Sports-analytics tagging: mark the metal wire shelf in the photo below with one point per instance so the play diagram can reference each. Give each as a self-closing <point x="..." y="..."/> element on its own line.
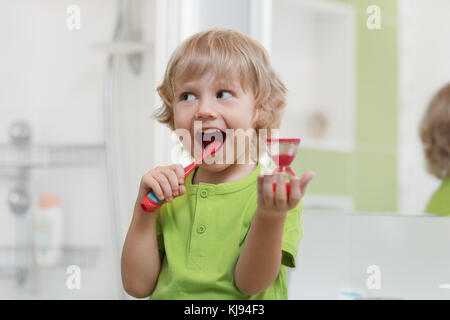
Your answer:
<point x="13" y="259"/>
<point x="50" y="156"/>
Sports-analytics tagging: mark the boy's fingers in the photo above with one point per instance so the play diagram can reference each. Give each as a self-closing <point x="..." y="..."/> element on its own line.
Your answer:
<point x="304" y="180"/>
<point x="164" y="184"/>
<point x="280" y="192"/>
<point x="260" y="183"/>
<point x="152" y="184"/>
<point x="295" y="193"/>
<point x="259" y="187"/>
<point x="182" y="189"/>
<point x="173" y="180"/>
<point x="179" y="172"/>
<point x="267" y="189"/>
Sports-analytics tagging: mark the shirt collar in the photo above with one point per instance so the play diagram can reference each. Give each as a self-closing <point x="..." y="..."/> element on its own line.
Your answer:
<point x="223" y="188"/>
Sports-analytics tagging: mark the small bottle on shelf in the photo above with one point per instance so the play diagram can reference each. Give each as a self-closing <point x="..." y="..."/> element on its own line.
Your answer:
<point x="48" y="230"/>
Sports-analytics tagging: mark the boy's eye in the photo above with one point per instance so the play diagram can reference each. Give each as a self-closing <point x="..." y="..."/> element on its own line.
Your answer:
<point x="224" y="95"/>
<point x="187" y="96"/>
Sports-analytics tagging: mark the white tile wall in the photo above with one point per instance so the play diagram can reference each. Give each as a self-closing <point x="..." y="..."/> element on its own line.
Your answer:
<point x="50" y="75"/>
<point x="53" y="78"/>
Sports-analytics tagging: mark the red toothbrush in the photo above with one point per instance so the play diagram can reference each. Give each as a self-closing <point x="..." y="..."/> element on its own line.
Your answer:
<point x="151" y="202"/>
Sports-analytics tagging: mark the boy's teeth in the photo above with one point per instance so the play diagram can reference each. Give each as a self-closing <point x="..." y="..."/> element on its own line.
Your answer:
<point x="211" y="131"/>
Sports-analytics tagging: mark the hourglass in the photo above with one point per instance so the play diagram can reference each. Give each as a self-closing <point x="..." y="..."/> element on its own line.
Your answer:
<point x="283" y="152"/>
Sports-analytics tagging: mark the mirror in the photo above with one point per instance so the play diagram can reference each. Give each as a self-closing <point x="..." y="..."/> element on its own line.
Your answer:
<point x="360" y="77"/>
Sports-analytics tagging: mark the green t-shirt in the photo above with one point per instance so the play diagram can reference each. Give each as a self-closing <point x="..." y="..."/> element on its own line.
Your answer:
<point x="440" y="201"/>
<point x="202" y="233"/>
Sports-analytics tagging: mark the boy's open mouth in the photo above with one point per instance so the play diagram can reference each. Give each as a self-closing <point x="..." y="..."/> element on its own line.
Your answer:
<point x="210" y="135"/>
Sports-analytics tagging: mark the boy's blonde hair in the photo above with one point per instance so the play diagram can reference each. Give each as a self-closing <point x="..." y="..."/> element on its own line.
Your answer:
<point x="435" y="134"/>
<point x="231" y="55"/>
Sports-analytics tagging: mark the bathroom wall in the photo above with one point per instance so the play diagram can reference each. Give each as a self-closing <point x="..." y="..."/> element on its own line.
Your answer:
<point x="53" y="78"/>
<point x="371" y="168"/>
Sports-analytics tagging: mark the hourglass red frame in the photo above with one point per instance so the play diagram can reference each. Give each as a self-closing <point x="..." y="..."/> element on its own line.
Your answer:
<point x="283" y="152"/>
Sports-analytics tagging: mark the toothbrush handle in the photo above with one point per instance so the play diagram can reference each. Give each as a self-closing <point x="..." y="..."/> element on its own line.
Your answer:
<point x="151" y="202"/>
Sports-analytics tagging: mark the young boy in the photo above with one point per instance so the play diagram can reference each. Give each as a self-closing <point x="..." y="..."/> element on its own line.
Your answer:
<point x="435" y="134"/>
<point x="223" y="233"/>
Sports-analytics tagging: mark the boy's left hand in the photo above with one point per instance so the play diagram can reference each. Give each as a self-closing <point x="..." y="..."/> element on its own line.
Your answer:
<point x="276" y="203"/>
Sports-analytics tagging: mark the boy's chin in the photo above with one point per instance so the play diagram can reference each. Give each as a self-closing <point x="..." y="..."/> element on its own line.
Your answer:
<point x="214" y="167"/>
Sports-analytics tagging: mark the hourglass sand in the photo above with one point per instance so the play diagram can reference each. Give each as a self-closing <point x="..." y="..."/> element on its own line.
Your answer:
<point x="283" y="152"/>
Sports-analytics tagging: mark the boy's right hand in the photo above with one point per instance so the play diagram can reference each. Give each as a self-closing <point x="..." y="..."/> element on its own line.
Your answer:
<point x="165" y="181"/>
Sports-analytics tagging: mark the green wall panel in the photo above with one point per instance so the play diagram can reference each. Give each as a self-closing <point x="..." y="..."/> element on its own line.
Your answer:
<point x="369" y="173"/>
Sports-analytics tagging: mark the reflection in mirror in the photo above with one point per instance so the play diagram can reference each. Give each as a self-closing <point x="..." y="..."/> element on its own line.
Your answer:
<point x="423" y="69"/>
<point x="435" y="134"/>
<point x="359" y="83"/>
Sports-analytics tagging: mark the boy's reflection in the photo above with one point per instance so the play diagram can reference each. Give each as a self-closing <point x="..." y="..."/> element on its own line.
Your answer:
<point x="435" y="135"/>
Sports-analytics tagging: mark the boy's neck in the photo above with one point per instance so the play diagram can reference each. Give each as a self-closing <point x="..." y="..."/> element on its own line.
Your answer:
<point x="231" y="173"/>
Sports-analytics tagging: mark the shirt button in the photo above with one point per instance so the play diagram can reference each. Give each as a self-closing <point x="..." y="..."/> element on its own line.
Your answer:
<point x="204" y="193"/>
<point x="201" y="229"/>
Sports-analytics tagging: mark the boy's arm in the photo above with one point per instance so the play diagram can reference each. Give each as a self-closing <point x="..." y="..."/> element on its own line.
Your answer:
<point x="260" y="259"/>
<point x="141" y="261"/>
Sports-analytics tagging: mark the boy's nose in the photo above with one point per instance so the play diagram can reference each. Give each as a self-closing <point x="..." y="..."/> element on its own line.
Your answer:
<point x="205" y="110"/>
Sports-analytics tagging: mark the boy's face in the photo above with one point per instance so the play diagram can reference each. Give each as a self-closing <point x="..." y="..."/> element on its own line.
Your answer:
<point x="216" y="104"/>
